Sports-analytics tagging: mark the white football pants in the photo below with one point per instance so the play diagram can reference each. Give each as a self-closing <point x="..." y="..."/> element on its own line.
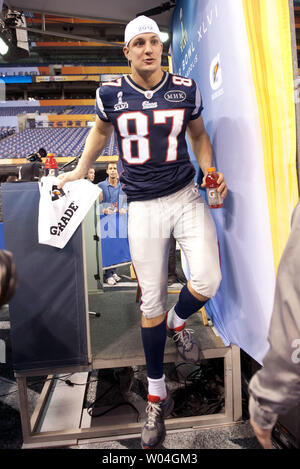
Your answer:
<point x="150" y="224"/>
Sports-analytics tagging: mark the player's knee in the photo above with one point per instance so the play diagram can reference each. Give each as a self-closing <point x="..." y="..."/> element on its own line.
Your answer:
<point x="152" y="316"/>
<point x="152" y="321"/>
<point x="207" y="284"/>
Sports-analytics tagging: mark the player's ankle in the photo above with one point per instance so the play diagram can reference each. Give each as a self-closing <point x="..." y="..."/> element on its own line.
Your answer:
<point x="174" y="321"/>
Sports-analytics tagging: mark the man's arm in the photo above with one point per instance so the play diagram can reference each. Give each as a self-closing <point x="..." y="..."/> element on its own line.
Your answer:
<point x="202" y="149"/>
<point x="275" y="389"/>
<point x="100" y="196"/>
<point x="94" y="144"/>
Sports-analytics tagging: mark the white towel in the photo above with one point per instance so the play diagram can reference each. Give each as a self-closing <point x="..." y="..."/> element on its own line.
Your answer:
<point x="62" y="210"/>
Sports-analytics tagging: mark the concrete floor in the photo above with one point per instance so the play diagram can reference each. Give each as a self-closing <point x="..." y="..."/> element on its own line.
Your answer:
<point x="237" y="436"/>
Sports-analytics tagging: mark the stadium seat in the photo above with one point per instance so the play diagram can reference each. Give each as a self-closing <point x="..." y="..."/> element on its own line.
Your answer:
<point x="66" y="142"/>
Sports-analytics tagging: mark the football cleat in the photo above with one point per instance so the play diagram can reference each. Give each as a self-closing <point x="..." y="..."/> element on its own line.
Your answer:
<point x="110" y="281"/>
<point x="187" y="348"/>
<point x="116" y="277"/>
<point x="154" y="430"/>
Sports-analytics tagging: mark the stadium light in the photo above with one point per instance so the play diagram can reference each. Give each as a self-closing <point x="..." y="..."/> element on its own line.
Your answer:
<point x="13" y="40"/>
<point x="5" y="38"/>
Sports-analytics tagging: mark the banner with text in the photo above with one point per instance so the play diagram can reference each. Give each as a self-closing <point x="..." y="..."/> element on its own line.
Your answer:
<point x="239" y="53"/>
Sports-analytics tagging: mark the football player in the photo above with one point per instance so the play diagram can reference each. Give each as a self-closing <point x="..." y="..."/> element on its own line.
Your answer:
<point x="151" y="111"/>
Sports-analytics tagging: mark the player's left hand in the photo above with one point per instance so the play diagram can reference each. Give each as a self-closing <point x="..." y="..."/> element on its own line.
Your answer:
<point x="222" y="189"/>
<point x="263" y="436"/>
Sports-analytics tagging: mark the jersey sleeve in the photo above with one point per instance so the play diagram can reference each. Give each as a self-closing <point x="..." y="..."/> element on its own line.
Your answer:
<point x="100" y="106"/>
<point x="198" y="104"/>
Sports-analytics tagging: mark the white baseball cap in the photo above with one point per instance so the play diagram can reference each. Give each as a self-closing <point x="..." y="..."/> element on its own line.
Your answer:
<point x="140" y="25"/>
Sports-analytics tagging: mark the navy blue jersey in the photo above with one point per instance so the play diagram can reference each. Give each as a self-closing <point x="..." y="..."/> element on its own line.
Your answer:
<point x="150" y="127"/>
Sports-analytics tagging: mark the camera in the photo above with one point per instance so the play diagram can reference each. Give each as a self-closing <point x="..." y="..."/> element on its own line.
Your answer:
<point x="33" y="170"/>
<point x="33" y="157"/>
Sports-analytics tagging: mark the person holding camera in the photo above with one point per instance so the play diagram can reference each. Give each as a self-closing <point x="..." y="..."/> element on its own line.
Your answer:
<point x="33" y="170"/>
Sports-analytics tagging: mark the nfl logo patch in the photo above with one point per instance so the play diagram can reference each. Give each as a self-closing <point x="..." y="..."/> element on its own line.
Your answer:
<point x="148" y="94"/>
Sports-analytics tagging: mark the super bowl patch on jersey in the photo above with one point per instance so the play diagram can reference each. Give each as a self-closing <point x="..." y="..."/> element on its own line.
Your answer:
<point x="120" y="105"/>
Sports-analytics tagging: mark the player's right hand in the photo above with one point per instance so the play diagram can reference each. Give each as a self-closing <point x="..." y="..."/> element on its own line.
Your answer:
<point x="109" y="210"/>
<point x="68" y="177"/>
